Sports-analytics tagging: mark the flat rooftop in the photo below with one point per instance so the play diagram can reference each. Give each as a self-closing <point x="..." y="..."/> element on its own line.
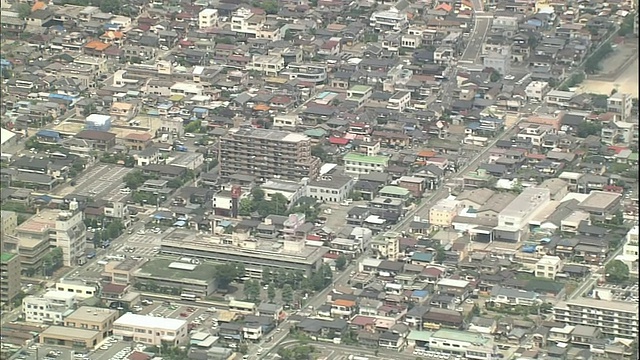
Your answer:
<point x="529" y="200"/>
<point x="605" y="304"/>
<point x="600" y="199"/>
<point x="64" y="332"/>
<point x="463" y="336"/>
<point x="91" y="314"/>
<point x="272" y="135"/>
<point x="45" y="219"/>
<point x="160" y="268"/>
<point x="149" y="322"/>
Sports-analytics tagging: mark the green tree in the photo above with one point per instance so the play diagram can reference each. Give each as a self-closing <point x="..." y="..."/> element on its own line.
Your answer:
<point x="257" y="194"/>
<point x="110" y="6"/>
<point x="587" y="128"/>
<point x="616" y="272"/>
<point x="193" y="127"/>
<point x="319" y="152"/>
<point x="440" y="254"/>
<point x="266" y="276"/>
<point x="252" y="290"/>
<point x="287" y="294"/>
<point x="245" y="207"/>
<point x="495" y="76"/>
<point x="270" y="6"/>
<point x="271" y="293"/>
<point x="226" y="273"/>
<point x="23" y="10"/>
<point x="134" y="179"/>
<point x="341" y="262"/>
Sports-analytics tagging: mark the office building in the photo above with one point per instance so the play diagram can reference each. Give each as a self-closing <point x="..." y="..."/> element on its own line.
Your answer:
<point x="267" y="154"/>
<point x="613" y="318"/>
<point x="151" y="330"/>
<point x="49" y="308"/>
<point x="93" y="318"/>
<point x="513" y="220"/>
<point x="10" y="269"/>
<point x="620" y="104"/>
<point x="63" y="229"/>
<point x="9" y="223"/>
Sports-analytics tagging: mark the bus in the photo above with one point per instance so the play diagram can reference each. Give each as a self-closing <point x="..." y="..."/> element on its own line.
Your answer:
<point x="188" y="297"/>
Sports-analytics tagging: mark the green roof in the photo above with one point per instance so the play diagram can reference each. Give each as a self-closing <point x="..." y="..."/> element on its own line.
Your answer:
<point x="458" y="335"/>
<point x="381" y="160"/>
<point x="394" y="190"/>
<point x="633" y="157"/>
<point x="160" y="268"/>
<point x="360" y="88"/>
<point x="316" y="133"/>
<point x="420" y="335"/>
<point x="7" y="256"/>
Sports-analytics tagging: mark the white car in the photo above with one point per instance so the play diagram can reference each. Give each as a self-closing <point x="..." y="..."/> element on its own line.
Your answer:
<point x="189" y="135"/>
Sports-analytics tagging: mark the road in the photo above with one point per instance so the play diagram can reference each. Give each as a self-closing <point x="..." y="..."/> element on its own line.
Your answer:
<point x="588" y="284"/>
<point x="353" y="350"/>
<point x="481" y="26"/>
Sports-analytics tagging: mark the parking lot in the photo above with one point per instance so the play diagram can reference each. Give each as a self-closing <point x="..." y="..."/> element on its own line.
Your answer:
<point x="101" y="182"/>
<point x="627" y="293"/>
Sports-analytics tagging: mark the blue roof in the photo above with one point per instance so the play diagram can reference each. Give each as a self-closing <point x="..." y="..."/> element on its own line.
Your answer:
<point x="473" y="126"/>
<point x="200" y="110"/>
<point x="420" y="293"/>
<point x="180" y="223"/>
<point x="420" y="256"/>
<point x="48" y="133"/>
<point x="162" y="216"/>
<point x="43" y="198"/>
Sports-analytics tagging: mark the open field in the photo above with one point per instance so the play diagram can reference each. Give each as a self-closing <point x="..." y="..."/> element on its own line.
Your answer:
<point x="619" y="71"/>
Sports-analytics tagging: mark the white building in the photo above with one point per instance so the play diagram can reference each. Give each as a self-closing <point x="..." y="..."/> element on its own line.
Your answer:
<point x="399" y="101"/>
<point x="613" y="318"/>
<point x="151" y="330"/>
<point x="463" y="343"/>
<point x="331" y="188"/>
<point x="207" y="18"/>
<point x="536" y="90"/>
<point x="391" y="19"/>
<point x="291" y="190"/>
<point x="620" y="104"/>
<point x="270" y="65"/>
<point x="356" y="164"/>
<point x="49" y="308"/>
<point x="630" y="251"/>
<point x="187" y="89"/>
<point x="559" y="98"/>
<point x="81" y="289"/>
<point x="548" y="266"/>
<point x="245" y="21"/>
<point x="513" y="220"/>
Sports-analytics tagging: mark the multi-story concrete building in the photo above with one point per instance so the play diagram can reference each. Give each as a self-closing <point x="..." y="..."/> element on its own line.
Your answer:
<point x="151" y="330"/>
<point x="93" y="318"/>
<point x="513" y="220"/>
<point x="10" y="277"/>
<point x="48" y="308"/>
<point x="443" y="212"/>
<point x="548" y="266"/>
<point x="63" y="229"/>
<point x="207" y="18"/>
<point x="356" y="164"/>
<point x="613" y="318"/>
<point x="630" y="251"/>
<point x="463" y="343"/>
<point x="82" y="290"/>
<point x="9" y="223"/>
<point x="267" y="154"/>
<point x="332" y="188"/>
<point x="621" y="105"/>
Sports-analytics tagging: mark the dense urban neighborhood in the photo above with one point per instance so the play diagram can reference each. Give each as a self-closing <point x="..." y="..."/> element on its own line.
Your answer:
<point x="319" y="180"/>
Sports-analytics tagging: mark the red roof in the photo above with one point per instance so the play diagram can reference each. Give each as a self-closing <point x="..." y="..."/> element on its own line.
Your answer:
<point x="536" y="156"/>
<point x="330" y="256"/>
<point x="314" y="237"/>
<point x="338" y="141"/>
<point x="617" y="149"/>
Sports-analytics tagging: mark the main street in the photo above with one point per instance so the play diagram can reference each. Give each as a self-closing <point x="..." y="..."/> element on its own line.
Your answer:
<point x="481" y="26"/>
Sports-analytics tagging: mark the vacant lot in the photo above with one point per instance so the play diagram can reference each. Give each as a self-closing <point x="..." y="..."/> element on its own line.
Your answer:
<point x="626" y="82"/>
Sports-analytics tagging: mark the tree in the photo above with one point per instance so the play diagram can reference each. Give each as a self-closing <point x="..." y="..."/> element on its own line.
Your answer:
<point x="114" y="229"/>
<point x="110" y="6"/>
<point x="23" y="10"/>
<point x="618" y="218"/>
<point x="193" y="127"/>
<point x="271" y="293"/>
<point x="257" y="195"/>
<point x="134" y="179"/>
<point x="245" y="207"/>
<point x="226" y="273"/>
<point x="341" y="262"/>
<point x="616" y="272"/>
<point x="270" y="6"/>
<point x="495" y="76"/>
<point x="252" y="290"/>
<point x="287" y="294"/>
<point x="440" y="254"/>
<point x="319" y="152"/>
<point x="266" y="276"/>
<point x="587" y="128"/>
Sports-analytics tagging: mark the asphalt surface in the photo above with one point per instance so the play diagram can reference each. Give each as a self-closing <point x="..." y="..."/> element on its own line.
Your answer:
<point x="482" y="24"/>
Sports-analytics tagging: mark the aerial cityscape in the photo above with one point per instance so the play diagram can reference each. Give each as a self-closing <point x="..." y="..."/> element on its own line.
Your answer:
<point x="319" y="180"/>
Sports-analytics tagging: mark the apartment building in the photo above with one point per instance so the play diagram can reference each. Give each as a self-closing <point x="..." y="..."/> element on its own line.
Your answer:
<point x="270" y="65"/>
<point x="82" y="290"/>
<point x="613" y="318"/>
<point x="621" y="105"/>
<point x="389" y="20"/>
<point x="332" y="188"/>
<point x="267" y="154"/>
<point x="10" y="277"/>
<point x="48" y="308"/>
<point x="207" y="18"/>
<point x="150" y="330"/>
<point x="514" y="219"/>
<point x="548" y="266"/>
<point x="443" y="212"/>
<point x="9" y="222"/>
<point x="356" y="164"/>
<point x="63" y="229"/>
<point x="630" y="251"/>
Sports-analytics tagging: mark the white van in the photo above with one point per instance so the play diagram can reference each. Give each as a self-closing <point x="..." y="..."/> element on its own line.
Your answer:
<point x="125" y="191"/>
